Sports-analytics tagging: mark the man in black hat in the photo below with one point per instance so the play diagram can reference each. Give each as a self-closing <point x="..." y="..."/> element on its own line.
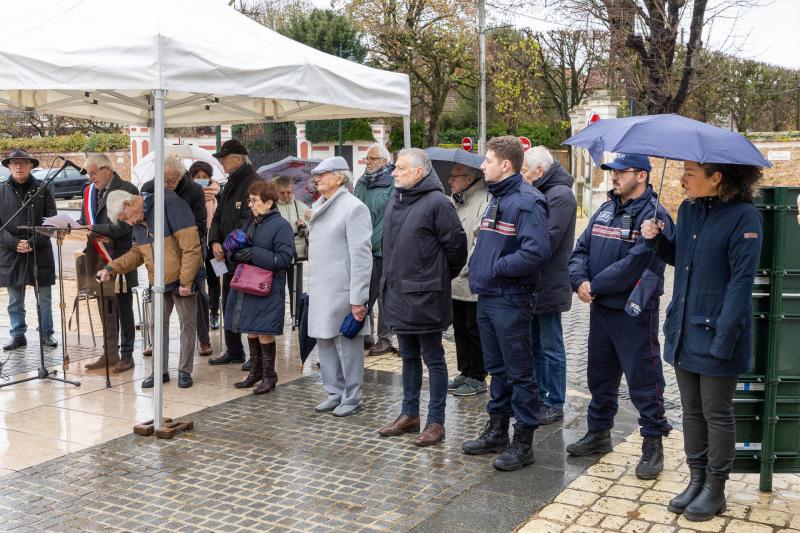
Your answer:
<point x="232" y="212"/>
<point x="17" y="247"/>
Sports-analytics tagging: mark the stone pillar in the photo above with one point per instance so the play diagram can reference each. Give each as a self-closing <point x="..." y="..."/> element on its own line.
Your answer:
<point x="303" y="145"/>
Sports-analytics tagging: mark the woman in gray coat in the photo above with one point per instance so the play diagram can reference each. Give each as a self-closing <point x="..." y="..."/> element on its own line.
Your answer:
<point x="340" y="266"/>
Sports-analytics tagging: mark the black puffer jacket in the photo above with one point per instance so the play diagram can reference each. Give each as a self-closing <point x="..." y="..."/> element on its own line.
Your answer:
<point x="554" y="292"/>
<point x="17" y="269"/>
<point x="424" y="247"/>
<point x="232" y="210"/>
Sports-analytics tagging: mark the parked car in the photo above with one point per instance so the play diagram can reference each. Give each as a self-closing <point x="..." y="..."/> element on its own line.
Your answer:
<point x="68" y="184"/>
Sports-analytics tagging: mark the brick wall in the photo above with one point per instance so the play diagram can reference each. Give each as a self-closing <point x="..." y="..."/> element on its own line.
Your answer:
<point x="121" y="160"/>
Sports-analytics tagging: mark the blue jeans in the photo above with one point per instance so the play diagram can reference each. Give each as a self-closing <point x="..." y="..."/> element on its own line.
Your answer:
<point x="16" y="310"/>
<point x="505" y="325"/>
<point x="414" y="349"/>
<point x="550" y="359"/>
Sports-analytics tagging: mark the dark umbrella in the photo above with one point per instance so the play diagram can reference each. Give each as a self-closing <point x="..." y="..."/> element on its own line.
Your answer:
<point x="306" y="343"/>
<point x="602" y="135"/>
<point x="299" y="170"/>
<point x="444" y="158"/>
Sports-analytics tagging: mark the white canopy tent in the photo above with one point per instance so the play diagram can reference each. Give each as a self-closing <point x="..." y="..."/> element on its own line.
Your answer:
<point x="170" y="63"/>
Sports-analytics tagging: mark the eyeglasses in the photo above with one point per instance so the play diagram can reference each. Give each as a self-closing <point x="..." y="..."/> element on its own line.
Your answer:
<point x="251" y="201"/>
<point x="623" y="172"/>
<point x="96" y="172"/>
<point x="374" y="158"/>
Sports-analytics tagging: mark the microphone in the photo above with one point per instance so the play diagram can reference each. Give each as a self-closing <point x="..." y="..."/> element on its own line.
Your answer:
<point x="69" y="163"/>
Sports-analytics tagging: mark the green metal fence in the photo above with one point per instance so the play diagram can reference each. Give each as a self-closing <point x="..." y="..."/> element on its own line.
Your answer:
<point x="767" y="401"/>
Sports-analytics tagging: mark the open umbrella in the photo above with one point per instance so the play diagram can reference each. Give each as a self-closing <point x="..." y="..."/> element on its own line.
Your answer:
<point x="145" y="170"/>
<point x="684" y="139"/>
<point x="444" y="158"/>
<point x="601" y="136"/>
<point x="299" y="170"/>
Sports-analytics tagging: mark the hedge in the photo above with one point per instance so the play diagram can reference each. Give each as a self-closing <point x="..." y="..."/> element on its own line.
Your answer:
<point x="356" y="129"/>
<point x="77" y="142"/>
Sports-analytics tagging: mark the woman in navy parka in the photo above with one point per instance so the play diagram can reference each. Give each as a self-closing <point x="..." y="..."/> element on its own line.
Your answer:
<point x="709" y="327"/>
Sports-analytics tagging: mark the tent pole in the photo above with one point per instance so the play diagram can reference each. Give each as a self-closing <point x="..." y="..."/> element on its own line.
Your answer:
<point x="406" y="132"/>
<point x="158" y="254"/>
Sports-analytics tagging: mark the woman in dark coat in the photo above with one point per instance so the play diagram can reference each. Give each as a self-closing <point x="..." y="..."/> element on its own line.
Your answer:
<point x="709" y="327"/>
<point x="261" y="317"/>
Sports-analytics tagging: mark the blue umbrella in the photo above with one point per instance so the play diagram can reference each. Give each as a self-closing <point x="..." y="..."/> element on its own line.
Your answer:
<point x="684" y="139"/>
<point x="444" y="158"/>
<point x="602" y="135"/>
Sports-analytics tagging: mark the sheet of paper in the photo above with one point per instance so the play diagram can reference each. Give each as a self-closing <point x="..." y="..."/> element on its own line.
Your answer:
<point x="219" y="267"/>
<point x="61" y="221"/>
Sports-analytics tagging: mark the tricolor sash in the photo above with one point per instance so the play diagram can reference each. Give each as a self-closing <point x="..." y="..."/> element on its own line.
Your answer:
<point x="89" y="197"/>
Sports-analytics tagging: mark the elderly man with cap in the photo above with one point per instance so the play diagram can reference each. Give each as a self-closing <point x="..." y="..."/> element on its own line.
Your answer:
<point x="232" y="213"/>
<point x="17" y="247"/>
<point x="339" y="269"/>
<point x="607" y="263"/>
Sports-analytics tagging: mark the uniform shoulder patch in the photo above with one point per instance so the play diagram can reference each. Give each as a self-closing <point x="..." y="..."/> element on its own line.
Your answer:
<point x="750" y="235"/>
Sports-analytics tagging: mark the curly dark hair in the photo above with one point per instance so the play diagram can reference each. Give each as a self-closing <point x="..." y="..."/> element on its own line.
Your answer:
<point x="738" y="181"/>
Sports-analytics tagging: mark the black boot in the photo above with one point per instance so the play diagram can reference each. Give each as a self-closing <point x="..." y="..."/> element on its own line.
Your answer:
<point x="519" y="453"/>
<point x="256" y="365"/>
<point x="697" y="477"/>
<point x="709" y="503"/>
<point x="493" y="438"/>
<point x="591" y="443"/>
<point x="652" y="461"/>
<point x="268" y="374"/>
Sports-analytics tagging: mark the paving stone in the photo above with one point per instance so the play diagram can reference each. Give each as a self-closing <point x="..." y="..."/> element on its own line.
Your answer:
<point x="767" y="516"/>
<point x="577" y="497"/>
<point x="606" y="471"/>
<point x="654" y="496"/>
<point x="538" y="525"/>
<point x="624" y="491"/>
<point x="614" y="523"/>
<point x="655" y="513"/>
<point x="715" y="524"/>
<point x="590" y="518"/>
<point x="740" y="526"/>
<point x="660" y="528"/>
<point x="590" y="483"/>
<point x="559" y="512"/>
<point x="615" y="506"/>
<point x="635" y="526"/>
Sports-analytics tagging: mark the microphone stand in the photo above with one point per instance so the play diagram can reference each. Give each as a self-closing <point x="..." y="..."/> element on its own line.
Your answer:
<point x="28" y="204"/>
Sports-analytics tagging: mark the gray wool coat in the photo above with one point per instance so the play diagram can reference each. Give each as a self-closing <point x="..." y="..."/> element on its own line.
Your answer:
<point x="339" y="262"/>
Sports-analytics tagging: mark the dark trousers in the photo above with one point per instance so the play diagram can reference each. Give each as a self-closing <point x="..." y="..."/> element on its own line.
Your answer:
<point x="127" y="327"/>
<point x="469" y="354"/>
<point x="233" y="340"/>
<point x="203" y="303"/>
<point x="213" y="287"/>
<point x="505" y="329"/>
<point x="414" y="349"/>
<point x="620" y="344"/>
<point x="709" y="427"/>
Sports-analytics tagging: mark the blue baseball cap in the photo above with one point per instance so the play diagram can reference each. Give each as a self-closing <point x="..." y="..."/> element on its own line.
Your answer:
<point x="623" y="161"/>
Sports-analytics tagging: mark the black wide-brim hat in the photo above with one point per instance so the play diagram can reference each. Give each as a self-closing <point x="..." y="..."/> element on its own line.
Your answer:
<point x="20" y="153"/>
<point x="229" y="147"/>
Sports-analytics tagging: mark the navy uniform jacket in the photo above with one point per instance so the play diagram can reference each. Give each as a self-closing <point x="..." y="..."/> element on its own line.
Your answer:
<point x="611" y="254"/>
<point x="509" y="257"/>
<point x="709" y="325"/>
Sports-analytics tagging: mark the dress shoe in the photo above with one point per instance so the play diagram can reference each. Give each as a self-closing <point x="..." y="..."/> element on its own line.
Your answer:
<point x="403" y="424"/>
<point x="347" y="410"/>
<point x="213" y="322"/>
<point x="432" y="434"/>
<point x="493" y="438"/>
<point x="16" y="342"/>
<point x="247" y="365"/>
<point x="519" y="453"/>
<point x="125" y="364"/>
<point x="205" y="349"/>
<point x="100" y="362"/>
<point x="148" y="352"/>
<point x="591" y="443"/>
<point x="709" y="503"/>
<point x="651" y="462"/>
<point x="226" y="359"/>
<point x="49" y="341"/>
<point x="382" y="347"/>
<point x="697" y="478"/>
<point x="328" y="405"/>
<point x="147" y="383"/>
<point x="185" y="380"/>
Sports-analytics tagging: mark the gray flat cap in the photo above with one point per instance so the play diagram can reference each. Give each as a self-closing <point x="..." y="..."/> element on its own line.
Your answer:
<point x="331" y="164"/>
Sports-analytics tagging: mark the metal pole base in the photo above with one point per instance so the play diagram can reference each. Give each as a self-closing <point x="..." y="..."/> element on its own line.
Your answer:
<point x="43" y="373"/>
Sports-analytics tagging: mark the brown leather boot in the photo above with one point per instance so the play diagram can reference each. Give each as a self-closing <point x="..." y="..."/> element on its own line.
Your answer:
<point x="100" y="362"/>
<point x="270" y="377"/>
<point x="403" y="424"/>
<point x="432" y="434"/>
<point x="256" y="368"/>
<point x="125" y="364"/>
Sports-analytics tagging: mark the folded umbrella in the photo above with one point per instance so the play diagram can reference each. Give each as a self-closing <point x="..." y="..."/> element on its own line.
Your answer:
<point x="443" y="160"/>
<point x="305" y="342"/>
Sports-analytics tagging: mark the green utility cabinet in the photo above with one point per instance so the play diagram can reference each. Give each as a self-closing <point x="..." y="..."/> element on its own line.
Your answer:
<point x="767" y="401"/>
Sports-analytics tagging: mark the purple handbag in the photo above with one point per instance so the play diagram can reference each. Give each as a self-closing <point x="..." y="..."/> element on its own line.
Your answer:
<point x="250" y="279"/>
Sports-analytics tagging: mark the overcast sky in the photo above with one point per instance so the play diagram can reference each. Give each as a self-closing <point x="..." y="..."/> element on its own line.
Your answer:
<point x="769" y="33"/>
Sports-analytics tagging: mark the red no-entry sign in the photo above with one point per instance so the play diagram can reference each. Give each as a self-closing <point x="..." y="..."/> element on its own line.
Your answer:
<point x="467" y="144"/>
<point x="526" y="143"/>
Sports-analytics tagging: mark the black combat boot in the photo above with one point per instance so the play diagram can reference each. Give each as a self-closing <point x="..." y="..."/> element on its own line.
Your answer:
<point x="519" y="453"/>
<point x="493" y="438"/>
<point x="591" y="443"/>
<point x="709" y="503"/>
<point x="697" y="477"/>
<point x="652" y="461"/>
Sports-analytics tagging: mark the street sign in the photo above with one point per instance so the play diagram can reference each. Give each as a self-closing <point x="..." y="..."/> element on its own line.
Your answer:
<point x="591" y="118"/>
<point x="467" y="144"/>
<point x="526" y="143"/>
